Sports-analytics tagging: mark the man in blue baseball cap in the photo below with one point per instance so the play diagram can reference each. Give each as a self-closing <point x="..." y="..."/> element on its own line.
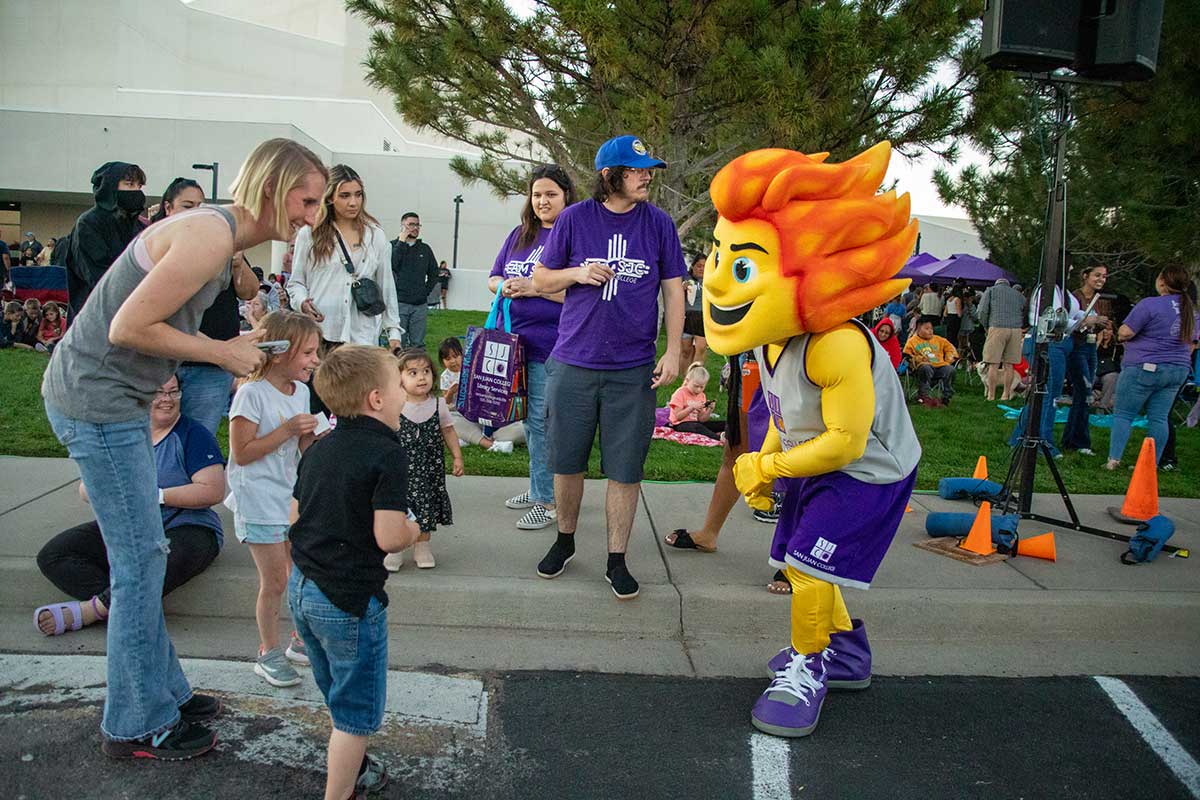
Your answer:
<point x="611" y="255"/>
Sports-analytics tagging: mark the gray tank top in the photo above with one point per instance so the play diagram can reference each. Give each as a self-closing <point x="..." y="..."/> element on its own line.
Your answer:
<point x="91" y="379"/>
<point x="794" y="401"/>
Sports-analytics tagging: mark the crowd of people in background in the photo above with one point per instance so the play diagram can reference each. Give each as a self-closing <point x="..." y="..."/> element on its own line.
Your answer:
<point x="1096" y="367"/>
<point x="167" y="316"/>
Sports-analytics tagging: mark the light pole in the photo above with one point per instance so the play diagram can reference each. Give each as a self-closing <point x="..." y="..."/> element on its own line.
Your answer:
<point x="457" y="206"/>
<point x="213" y="166"/>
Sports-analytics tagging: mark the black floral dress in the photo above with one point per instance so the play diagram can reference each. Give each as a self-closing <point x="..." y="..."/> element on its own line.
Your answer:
<point x="427" y="495"/>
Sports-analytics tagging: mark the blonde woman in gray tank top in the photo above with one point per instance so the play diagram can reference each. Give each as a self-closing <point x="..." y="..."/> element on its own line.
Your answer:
<point x="140" y="321"/>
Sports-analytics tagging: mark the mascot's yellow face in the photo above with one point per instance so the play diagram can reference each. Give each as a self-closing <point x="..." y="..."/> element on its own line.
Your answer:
<point x="741" y="284"/>
<point x="800" y="246"/>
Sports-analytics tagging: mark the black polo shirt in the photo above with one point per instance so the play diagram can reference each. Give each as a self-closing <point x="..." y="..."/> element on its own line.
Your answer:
<point x="342" y="480"/>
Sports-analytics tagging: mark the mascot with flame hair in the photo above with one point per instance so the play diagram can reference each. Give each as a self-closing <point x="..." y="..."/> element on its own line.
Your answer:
<point x="800" y="249"/>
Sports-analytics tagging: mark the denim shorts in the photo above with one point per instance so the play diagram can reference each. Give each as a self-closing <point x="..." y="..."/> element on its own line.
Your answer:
<point x="256" y="533"/>
<point x="348" y="655"/>
<point x="619" y="402"/>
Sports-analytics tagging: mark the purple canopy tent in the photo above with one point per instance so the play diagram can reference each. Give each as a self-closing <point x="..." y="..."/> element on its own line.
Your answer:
<point x="914" y="268"/>
<point x="974" y="271"/>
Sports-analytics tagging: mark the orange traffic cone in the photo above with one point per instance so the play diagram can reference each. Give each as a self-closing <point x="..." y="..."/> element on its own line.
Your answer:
<point x="980" y="469"/>
<point x="1141" y="498"/>
<point x="979" y="540"/>
<point x="1038" y="547"/>
<point x="907" y="508"/>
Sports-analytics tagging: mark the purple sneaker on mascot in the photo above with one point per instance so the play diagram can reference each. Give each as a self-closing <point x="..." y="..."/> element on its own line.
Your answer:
<point x="847" y="659"/>
<point x="791" y="705"/>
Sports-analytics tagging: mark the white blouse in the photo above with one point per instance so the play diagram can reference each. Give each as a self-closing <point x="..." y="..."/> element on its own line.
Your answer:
<point x="327" y="285"/>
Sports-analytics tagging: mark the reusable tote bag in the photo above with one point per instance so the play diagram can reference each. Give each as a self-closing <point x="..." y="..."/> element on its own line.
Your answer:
<point x="492" y="389"/>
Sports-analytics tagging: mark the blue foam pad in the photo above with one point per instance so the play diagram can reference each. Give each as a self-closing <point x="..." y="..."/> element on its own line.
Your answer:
<point x="973" y="488"/>
<point x="1004" y="526"/>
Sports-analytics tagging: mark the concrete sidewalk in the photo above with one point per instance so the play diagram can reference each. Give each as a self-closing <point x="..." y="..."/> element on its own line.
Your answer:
<point x="483" y="607"/>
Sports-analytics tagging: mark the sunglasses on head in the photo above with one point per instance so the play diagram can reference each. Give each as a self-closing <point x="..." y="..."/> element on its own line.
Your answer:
<point x="549" y="171"/>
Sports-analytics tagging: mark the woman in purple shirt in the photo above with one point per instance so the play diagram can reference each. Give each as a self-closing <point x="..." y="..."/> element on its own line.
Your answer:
<point x="535" y="319"/>
<point x="1159" y="336"/>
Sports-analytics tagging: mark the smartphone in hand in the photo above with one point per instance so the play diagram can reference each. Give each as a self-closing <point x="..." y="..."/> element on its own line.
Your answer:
<point x="274" y="348"/>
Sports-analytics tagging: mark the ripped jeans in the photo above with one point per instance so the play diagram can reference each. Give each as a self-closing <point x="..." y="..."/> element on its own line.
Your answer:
<point x="146" y="685"/>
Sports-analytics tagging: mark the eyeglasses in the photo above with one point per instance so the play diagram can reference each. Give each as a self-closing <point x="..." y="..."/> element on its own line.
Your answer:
<point x="174" y="394"/>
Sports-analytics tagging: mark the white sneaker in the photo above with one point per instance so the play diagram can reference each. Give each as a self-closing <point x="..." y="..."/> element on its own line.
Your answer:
<point x="501" y="447"/>
<point x="520" y="502"/>
<point x="392" y="562"/>
<point x="537" y="518"/>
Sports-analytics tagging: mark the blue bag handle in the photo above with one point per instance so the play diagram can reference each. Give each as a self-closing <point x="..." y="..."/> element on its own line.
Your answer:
<point x="501" y="306"/>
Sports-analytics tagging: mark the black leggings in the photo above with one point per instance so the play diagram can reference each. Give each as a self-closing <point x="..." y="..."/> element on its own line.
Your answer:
<point x="711" y="428"/>
<point x="76" y="560"/>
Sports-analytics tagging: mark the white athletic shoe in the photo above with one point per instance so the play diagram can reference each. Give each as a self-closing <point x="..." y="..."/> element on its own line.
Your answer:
<point x="501" y="447"/>
<point x="392" y="562"/>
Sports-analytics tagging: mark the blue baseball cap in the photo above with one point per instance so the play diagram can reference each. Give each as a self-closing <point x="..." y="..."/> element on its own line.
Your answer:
<point x="626" y="151"/>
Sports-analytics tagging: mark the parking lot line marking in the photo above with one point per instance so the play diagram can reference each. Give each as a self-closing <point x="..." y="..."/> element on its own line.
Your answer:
<point x="1178" y="760"/>
<point x="769" y="758"/>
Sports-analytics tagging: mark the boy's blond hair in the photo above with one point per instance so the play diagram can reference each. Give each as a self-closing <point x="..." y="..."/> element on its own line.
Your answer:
<point x="276" y="166"/>
<point x="350" y="373"/>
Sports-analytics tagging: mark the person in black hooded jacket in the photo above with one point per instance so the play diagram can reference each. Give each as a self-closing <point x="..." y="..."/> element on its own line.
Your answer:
<point x="102" y="232"/>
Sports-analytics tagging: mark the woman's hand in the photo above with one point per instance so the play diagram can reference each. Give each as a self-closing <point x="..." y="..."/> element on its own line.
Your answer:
<point x="457" y="469"/>
<point x="309" y="310"/>
<point x="518" y="287"/>
<point x="239" y="355"/>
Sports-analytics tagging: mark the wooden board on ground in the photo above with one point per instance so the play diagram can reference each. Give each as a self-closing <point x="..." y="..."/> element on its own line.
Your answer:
<point x="948" y="546"/>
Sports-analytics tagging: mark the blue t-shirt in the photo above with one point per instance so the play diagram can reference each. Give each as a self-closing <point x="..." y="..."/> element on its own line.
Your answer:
<point x="614" y="326"/>
<point x="534" y="319"/>
<point x="183" y="452"/>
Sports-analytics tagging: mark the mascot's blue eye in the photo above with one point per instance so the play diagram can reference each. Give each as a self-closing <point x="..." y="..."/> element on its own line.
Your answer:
<point x="744" y="269"/>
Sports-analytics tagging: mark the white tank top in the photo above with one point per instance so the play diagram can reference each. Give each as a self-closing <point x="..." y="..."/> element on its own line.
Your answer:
<point x="794" y="401"/>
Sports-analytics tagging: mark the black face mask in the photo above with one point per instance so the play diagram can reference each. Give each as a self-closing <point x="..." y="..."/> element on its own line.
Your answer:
<point x="132" y="201"/>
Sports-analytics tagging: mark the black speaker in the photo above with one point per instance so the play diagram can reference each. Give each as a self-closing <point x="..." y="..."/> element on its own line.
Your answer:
<point x="1118" y="39"/>
<point x="1030" y="35"/>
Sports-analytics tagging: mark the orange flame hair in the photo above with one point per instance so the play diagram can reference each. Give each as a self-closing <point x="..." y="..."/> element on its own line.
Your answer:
<point x="840" y="242"/>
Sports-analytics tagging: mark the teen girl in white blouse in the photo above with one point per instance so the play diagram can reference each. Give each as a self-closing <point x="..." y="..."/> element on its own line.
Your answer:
<point x="320" y="285"/>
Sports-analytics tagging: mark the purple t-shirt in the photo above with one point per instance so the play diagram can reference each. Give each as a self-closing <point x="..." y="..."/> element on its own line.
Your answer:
<point x="1155" y="320"/>
<point x="534" y="319"/>
<point x="613" y="326"/>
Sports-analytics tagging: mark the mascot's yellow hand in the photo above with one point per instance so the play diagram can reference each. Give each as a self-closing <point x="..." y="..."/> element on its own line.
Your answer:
<point x="751" y="482"/>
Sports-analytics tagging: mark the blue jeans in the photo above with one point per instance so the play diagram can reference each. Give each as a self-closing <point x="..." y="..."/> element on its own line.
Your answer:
<point x="348" y="655"/>
<point x="206" y="391"/>
<point x="1138" y="389"/>
<point x="541" y="480"/>
<point x="146" y="685"/>
<point x="1081" y="369"/>
<point x="1056" y="354"/>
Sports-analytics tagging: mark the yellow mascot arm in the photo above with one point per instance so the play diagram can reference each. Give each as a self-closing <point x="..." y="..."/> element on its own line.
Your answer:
<point x="749" y="480"/>
<point x="839" y="361"/>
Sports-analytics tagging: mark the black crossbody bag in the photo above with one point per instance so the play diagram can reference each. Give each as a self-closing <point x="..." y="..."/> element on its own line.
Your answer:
<point x="367" y="297"/>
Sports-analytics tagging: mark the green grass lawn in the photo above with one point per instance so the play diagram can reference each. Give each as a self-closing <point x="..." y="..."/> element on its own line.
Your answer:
<point x="952" y="438"/>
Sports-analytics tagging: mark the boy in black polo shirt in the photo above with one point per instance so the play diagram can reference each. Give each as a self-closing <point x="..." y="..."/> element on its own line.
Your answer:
<point x="349" y="510"/>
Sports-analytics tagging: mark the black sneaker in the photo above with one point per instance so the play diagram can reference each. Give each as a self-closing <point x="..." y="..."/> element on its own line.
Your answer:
<point x="945" y="401"/>
<point x="180" y="743"/>
<point x="769" y="517"/>
<point x="201" y="708"/>
<point x="624" y="586"/>
<point x="555" y="562"/>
